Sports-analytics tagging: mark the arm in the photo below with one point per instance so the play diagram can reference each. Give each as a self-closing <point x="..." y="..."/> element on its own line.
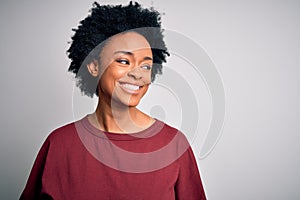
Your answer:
<point x="189" y="185"/>
<point x="33" y="186"/>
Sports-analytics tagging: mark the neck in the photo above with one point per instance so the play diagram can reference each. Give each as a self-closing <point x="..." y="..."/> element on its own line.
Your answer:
<point x="118" y="118"/>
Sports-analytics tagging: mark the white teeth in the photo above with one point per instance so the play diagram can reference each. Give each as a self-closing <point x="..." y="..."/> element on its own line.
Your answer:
<point x="130" y="87"/>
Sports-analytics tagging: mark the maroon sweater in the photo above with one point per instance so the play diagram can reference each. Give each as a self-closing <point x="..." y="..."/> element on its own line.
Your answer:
<point x="78" y="161"/>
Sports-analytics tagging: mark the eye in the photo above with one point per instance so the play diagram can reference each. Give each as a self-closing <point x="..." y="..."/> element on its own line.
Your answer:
<point x="123" y="61"/>
<point x="147" y="67"/>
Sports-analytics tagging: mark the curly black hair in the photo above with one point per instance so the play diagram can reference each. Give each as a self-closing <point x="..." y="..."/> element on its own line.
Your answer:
<point x="105" y="21"/>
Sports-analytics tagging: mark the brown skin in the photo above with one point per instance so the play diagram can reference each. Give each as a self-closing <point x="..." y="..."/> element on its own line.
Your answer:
<point x="125" y="59"/>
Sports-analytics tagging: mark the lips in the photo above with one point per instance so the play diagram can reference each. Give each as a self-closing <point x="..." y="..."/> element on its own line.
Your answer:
<point x="130" y="88"/>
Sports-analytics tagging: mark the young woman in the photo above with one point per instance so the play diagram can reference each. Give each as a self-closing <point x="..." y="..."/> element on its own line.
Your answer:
<point x="117" y="152"/>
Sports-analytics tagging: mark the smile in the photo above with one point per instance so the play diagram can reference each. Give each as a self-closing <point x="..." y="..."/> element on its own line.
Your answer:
<point x="130" y="88"/>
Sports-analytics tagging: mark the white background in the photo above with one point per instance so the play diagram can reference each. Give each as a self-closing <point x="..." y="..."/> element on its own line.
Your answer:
<point x="255" y="46"/>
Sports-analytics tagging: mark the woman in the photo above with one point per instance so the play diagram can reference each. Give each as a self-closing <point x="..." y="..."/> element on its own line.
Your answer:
<point x="117" y="152"/>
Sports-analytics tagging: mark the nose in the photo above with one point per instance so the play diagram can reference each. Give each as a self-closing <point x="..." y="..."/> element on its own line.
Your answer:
<point x="136" y="73"/>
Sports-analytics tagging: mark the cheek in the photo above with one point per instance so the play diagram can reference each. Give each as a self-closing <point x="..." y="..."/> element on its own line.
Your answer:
<point x="148" y="79"/>
<point x="116" y="73"/>
<point x="145" y="89"/>
<point x="109" y="79"/>
<point x="111" y="75"/>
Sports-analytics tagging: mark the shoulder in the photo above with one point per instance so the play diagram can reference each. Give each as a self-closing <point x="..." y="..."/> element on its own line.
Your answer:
<point x="174" y="132"/>
<point x="175" y="138"/>
<point x="185" y="152"/>
<point x="61" y="142"/>
<point x="62" y="134"/>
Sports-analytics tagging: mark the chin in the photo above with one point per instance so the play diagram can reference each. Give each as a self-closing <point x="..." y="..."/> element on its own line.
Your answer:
<point x="131" y="102"/>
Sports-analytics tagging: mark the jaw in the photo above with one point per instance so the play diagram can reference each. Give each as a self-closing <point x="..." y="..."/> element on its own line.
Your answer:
<point x="128" y="97"/>
<point x="122" y="94"/>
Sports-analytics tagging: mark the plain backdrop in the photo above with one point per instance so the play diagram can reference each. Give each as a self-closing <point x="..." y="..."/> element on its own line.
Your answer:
<point x="255" y="46"/>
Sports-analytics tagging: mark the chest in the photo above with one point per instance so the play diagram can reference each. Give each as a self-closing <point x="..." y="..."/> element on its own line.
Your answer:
<point x="81" y="176"/>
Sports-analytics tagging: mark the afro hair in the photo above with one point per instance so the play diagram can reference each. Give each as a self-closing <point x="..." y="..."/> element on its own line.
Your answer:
<point x="105" y="21"/>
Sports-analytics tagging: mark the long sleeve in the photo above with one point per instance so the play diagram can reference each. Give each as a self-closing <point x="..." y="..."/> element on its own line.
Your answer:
<point x="189" y="185"/>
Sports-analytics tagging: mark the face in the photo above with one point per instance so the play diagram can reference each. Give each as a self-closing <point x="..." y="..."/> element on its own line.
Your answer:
<point x="126" y="62"/>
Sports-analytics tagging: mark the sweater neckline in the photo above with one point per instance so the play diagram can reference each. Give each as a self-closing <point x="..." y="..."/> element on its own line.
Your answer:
<point x="146" y="133"/>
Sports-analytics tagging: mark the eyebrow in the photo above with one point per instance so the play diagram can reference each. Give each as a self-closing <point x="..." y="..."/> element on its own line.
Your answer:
<point x="131" y="54"/>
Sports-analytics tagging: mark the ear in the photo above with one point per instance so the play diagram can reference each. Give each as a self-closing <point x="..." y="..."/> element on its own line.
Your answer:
<point x="93" y="68"/>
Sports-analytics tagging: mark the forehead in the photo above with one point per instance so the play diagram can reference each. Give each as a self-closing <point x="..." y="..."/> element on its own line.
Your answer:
<point x="130" y="41"/>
